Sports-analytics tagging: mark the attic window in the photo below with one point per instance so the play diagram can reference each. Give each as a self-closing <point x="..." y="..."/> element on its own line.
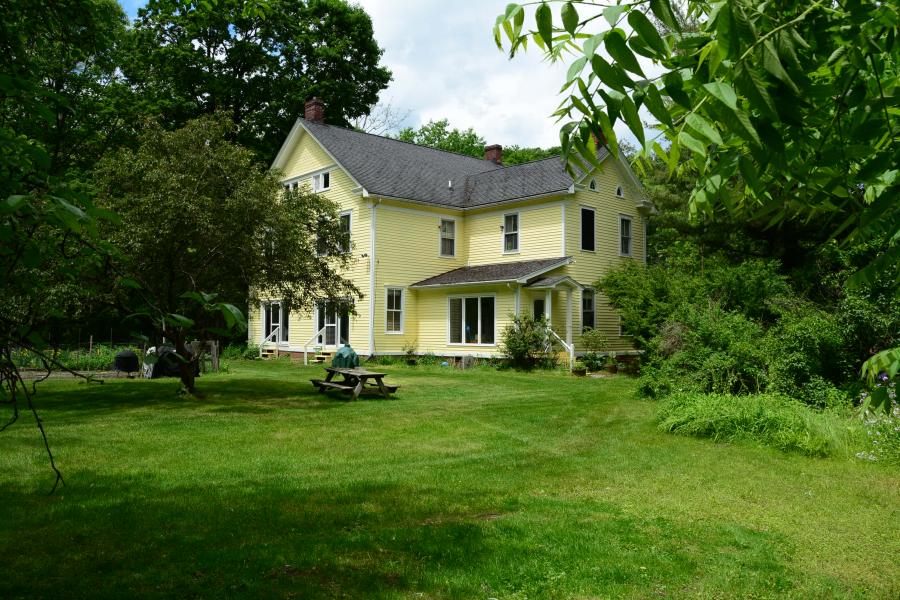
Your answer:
<point x="593" y="184"/>
<point x="321" y="181"/>
<point x="619" y="192"/>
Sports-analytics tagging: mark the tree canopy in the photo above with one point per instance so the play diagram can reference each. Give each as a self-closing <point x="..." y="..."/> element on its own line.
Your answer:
<point x="786" y="113"/>
<point x="214" y="226"/>
<point x="256" y="62"/>
<point x="438" y="134"/>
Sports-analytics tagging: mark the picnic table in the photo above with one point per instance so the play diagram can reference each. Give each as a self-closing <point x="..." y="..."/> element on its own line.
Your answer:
<point x="355" y="381"/>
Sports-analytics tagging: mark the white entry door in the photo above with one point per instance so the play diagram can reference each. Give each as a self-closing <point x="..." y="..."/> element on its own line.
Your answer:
<point x="333" y="320"/>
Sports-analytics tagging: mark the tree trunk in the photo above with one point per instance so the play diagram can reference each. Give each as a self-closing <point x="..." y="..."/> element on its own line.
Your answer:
<point x="186" y="365"/>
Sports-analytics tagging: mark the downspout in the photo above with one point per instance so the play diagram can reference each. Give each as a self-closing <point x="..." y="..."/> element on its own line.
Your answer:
<point x="372" y="280"/>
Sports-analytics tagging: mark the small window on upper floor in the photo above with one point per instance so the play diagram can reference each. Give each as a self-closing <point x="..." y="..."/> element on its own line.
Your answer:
<point x="448" y="237"/>
<point x="593" y="184"/>
<point x="620" y="192"/>
<point x="511" y="232"/>
<point x="321" y="181"/>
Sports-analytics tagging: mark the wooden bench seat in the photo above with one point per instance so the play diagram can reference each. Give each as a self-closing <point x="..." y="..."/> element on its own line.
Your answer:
<point x="322" y="384"/>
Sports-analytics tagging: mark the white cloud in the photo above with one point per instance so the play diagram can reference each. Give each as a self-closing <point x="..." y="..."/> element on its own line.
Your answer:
<point x="445" y="65"/>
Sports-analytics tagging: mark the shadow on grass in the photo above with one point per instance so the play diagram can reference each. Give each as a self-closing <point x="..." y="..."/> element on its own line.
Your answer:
<point x="108" y="538"/>
<point x="241" y="394"/>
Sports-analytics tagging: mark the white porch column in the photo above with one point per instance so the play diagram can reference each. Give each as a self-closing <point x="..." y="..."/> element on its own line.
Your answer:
<point x="548" y="309"/>
<point x="518" y="299"/>
<point x="569" y="317"/>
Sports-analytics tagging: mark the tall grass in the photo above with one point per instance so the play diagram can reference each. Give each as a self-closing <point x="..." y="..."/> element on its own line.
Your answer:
<point x="768" y="419"/>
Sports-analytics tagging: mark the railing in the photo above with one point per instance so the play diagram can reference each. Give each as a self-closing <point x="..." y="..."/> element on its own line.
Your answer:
<point x="570" y="348"/>
<point x="268" y="339"/>
<point x="308" y="342"/>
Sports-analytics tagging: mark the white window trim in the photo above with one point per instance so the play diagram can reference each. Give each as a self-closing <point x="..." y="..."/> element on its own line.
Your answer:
<point x="441" y="238"/>
<point x="503" y="233"/>
<point x="622" y="333"/>
<point x="463" y="319"/>
<point x="348" y="213"/>
<point x="387" y="291"/>
<point x="320" y="174"/>
<point x="620" y="191"/>
<point x="593" y="292"/>
<point x="630" y="219"/>
<point x="592" y="185"/>
<point x="582" y="207"/>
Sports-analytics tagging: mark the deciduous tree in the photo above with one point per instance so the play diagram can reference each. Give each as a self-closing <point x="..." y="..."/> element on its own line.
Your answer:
<point x="787" y="111"/>
<point x="205" y="226"/>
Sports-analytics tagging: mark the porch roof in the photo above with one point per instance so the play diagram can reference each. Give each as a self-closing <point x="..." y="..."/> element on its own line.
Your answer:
<point x="521" y="272"/>
<point x="549" y="283"/>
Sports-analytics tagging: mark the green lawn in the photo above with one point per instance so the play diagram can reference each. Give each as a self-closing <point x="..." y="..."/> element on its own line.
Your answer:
<point x="469" y="484"/>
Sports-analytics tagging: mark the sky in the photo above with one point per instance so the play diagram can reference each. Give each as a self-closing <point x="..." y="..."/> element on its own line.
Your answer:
<point x="445" y="65"/>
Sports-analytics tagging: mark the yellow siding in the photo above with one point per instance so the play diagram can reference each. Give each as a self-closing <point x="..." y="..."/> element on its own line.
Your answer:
<point x="432" y="318"/>
<point x="590" y="266"/>
<point x="408" y="250"/>
<point x="540" y="233"/>
<point x="307" y="157"/>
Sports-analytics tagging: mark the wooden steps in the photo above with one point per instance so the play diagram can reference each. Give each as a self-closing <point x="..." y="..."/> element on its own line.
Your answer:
<point x="322" y="358"/>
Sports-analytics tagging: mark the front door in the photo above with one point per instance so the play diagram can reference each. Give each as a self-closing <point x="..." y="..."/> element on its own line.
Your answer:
<point x="333" y="320"/>
<point x="275" y="329"/>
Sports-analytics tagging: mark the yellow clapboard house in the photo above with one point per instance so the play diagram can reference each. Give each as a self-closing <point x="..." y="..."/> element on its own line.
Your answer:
<point x="446" y="248"/>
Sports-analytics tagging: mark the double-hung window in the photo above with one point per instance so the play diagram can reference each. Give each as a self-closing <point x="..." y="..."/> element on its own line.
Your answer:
<point x="471" y="320"/>
<point x="587" y="310"/>
<point x="511" y="232"/>
<point x="394" y="316"/>
<point x="344" y="243"/>
<point x="625" y="235"/>
<point x="321" y="181"/>
<point x="448" y="237"/>
<point x="588" y="229"/>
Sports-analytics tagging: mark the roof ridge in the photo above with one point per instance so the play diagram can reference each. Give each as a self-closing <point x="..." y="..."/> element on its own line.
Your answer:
<point x="385" y="137"/>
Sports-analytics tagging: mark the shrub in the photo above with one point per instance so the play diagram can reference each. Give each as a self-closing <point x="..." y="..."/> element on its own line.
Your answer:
<point x="769" y="419"/>
<point x="806" y="357"/>
<point x="882" y="423"/>
<point x="245" y="351"/>
<point x="527" y="343"/>
<point x="594" y="340"/>
<point x="708" y="349"/>
<point x="593" y="361"/>
<point x="100" y="358"/>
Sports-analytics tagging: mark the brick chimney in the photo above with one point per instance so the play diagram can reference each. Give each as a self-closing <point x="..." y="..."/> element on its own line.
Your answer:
<point x="494" y="153"/>
<point x="314" y="110"/>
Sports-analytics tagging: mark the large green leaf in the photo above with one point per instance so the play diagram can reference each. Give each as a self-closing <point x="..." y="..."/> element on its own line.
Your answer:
<point x="621" y="53"/>
<point x="647" y="31"/>
<point x="569" y="17"/>
<point x="630" y="113"/>
<point x="654" y="103"/>
<point x="662" y="10"/>
<point x="611" y="75"/>
<point x="612" y="13"/>
<point x="704" y="128"/>
<point x="544" y="18"/>
<point x="773" y="65"/>
<point x="692" y="143"/>
<point x="754" y="88"/>
<point x="722" y="91"/>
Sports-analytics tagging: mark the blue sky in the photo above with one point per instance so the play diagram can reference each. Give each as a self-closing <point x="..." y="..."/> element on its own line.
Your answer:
<point x="445" y="65"/>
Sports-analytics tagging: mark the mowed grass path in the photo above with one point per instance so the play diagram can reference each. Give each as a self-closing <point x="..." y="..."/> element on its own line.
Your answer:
<point x="469" y="484"/>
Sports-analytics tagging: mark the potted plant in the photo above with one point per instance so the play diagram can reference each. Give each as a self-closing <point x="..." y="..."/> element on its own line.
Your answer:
<point x="579" y="369"/>
<point x="409" y="349"/>
<point x="611" y="365"/>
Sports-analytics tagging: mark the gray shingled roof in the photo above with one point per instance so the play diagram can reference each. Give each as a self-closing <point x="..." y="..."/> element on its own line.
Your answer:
<point x="509" y="271"/>
<point x="546" y="282"/>
<point x="388" y="167"/>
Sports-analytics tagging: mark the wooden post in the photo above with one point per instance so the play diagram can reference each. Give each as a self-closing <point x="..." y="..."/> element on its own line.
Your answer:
<point x="91" y="345"/>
